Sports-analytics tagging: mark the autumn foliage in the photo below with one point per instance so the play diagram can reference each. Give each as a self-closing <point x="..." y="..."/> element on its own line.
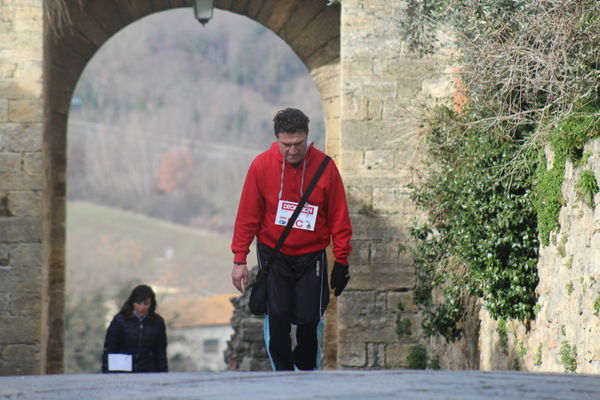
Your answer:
<point x="174" y="170"/>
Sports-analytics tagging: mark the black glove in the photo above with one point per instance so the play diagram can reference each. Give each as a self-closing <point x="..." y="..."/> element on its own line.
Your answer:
<point x="339" y="277"/>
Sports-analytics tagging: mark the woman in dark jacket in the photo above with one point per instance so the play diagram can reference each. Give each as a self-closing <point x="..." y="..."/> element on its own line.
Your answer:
<point x="139" y="331"/>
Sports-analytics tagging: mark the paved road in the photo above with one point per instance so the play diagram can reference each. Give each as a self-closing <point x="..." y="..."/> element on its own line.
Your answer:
<point x="342" y="385"/>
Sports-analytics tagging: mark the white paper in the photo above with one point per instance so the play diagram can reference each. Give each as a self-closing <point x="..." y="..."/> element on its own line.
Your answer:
<point x="306" y="220"/>
<point x="119" y="362"/>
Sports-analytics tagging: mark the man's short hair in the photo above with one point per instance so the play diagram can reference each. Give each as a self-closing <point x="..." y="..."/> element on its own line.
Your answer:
<point x="290" y="120"/>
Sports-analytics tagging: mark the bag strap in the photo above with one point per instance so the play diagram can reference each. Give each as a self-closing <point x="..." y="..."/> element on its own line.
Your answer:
<point x="296" y="212"/>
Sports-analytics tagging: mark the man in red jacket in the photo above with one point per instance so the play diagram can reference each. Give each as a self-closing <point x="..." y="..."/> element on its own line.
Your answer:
<point x="297" y="287"/>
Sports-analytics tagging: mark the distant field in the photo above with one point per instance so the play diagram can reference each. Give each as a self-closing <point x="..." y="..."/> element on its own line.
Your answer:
<point x="109" y="251"/>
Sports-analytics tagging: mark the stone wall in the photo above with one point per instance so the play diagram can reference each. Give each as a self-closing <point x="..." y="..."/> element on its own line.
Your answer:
<point x="569" y="270"/>
<point x="21" y="185"/>
<point x="246" y="349"/>
<point x="384" y="91"/>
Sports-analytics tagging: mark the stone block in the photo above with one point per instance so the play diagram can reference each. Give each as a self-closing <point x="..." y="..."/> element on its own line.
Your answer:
<point x="29" y="71"/>
<point x="24" y="47"/>
<point x="20" y="279"/>
<point x="356" y="304"/>
<point x="21" y="137"/>
<point x="25" y="254"/>
<point x="391" y="199"/>
<point x="380" y="68"/>
<point x="390" y="251"/>
<point x="33" y="162"/>
<point x="354" y="87"/>
<point x="328" y="54"/>
<point x="370" y="134"/>
<point x="351" y="160"/>
<point x="358" y="196"/>
<point x="234" y="6"/>
<point x="253" y="364"/>
<point x="25" y="203"/>
<point x="396" y="354"/>
<point x="6" y="19"/>
<point x="4" y="302"/>
<point x="329" y="86"/>
<point x="26" y="89"/>
<point x="361" y="253"/>
<point x="408" y="67"/>
<point x="382" y="89"/>
<point x="406" y="298"/>
<point x="382" y="277"/>
<point x="317" y="34"/>
<point x="355" y="107"/>
<point x="359" y="67"/>
<point x="27" y="4"/>
<point x="438" y="86"/>
<point x="276" y="14"/>
<point x="20" y="181"/>
<point x="353" y="355"/>
<point x="20" y="229"/>
<point x="375" y="355"/>
<point x="28" y="18"/>
<point x="19" y="330"/>
<point x="364" y="322"/>
<point x="332" y="109"/>
<point x="375" y="109"/>
<point x="10" y="162"/>
<point x="93" y="32"/>
<point x="4" y="254"/>
<point x="25" y="111"/>
<point x="252" y="329"/>
<point x="401" y="110"/>
<point x="379" y="159"/>
<point x="409" y="88"/>
<point x="3" y="112"/>
<point x="375" y="226"/>
<point x="7" y="69"/>
<point x="21" y="352"/>
<point x="258" y="349"/>
<point x="22" y="368"/>
<point x="333" y="138"/>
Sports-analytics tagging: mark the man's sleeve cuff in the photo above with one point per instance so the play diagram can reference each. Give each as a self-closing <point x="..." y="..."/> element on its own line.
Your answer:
<point x="239" y="258"/>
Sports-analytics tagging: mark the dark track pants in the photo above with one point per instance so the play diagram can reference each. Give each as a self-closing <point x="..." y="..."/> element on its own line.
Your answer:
<point x="298" y="293"/>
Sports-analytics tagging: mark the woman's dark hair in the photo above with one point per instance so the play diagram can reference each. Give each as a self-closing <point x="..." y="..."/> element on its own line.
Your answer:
<point x="139" y="294"/>
<point x="290" y="120"/>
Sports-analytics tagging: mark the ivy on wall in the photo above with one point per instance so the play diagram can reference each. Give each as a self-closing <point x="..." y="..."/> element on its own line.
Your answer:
<point x="566" y="142"/>
<point x="530" y="71"/>
<point x="481" y="236"/>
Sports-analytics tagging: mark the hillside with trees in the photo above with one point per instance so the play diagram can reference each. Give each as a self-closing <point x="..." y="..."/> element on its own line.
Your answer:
<point x="168" y="115"/>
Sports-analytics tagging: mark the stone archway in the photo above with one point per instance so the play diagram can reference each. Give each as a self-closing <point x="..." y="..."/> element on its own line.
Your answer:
<point x="311" y="28"/>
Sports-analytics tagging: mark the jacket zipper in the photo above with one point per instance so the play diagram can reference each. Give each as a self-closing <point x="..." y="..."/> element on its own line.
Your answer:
<point x="139" y="346"/>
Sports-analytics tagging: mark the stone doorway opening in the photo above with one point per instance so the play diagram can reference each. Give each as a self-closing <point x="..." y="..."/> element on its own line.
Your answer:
<point x="310" y="28"/>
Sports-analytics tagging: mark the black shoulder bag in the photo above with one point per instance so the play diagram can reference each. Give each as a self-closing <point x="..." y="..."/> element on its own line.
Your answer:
<point x="258" y="295"/>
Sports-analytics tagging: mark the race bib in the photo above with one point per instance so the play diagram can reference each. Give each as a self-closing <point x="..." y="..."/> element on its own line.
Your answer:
<point x="306" y="220"/>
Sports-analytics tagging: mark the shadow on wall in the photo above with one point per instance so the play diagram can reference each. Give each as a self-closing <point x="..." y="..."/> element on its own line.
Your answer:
<point x="378" y="311"/>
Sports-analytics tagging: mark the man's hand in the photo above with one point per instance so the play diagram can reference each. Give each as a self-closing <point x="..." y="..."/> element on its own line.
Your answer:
<point x="339" y="277"/>
<point x="239" y="276"/>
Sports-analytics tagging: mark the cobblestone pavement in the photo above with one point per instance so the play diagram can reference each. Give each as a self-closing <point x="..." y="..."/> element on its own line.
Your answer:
<point x="386" y="384"/>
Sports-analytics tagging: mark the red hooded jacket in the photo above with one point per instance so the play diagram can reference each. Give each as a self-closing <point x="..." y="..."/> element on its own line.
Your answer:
<point x="260" y="197"/>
